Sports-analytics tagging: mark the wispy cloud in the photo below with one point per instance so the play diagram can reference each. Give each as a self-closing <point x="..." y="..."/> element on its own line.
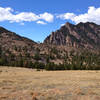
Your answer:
<point x="7" y="14"/>
<point x="62" y="24"/>
<point x="92" y="15"/>
<point x="41" y="22"/>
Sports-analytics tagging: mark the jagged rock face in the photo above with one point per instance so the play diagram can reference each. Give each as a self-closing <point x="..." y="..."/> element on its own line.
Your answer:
<point x="81" y="35"/>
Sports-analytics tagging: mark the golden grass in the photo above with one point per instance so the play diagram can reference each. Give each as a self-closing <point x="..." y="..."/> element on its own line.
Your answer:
<point x="29" y="84"/>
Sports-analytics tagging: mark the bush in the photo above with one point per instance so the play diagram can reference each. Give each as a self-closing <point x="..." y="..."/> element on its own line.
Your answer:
<point x="39" y="65"/>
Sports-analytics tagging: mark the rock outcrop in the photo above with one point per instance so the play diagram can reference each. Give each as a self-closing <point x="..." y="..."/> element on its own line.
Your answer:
<point x="86" y="35"/>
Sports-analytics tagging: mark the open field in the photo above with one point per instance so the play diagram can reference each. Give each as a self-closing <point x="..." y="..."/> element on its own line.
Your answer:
<point x="29" y="84"/>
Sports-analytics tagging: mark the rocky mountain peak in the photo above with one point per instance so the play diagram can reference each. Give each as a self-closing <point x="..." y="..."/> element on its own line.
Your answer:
<point x="86" y="35"/>
<point x="67" y="24"/>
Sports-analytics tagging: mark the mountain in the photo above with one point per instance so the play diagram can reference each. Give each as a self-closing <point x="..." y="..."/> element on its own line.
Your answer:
<point x="82" y="35"/>
<point x="70" y="47"/>
<point x="11" y="41"/>
<point x="15" y="48"/>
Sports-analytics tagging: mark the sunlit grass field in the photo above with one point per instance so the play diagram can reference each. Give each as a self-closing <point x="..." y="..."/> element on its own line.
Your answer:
<point x="30" y="84"/>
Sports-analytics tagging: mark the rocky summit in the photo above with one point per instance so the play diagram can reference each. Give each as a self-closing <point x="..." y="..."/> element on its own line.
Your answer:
<point x="83" y="35"/>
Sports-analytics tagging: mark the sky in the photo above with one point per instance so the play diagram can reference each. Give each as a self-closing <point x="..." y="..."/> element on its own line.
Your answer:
<point x="36" y="19"/>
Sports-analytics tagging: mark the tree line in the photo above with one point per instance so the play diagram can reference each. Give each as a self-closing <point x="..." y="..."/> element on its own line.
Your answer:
<point x="83" y="61"/>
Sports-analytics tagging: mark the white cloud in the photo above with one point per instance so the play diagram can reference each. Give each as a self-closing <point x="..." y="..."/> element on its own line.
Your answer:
<point x="25" y="16"/>
<point x="6" y="14"/>
<point x="41" y="22"/>
<point x="92" y="15"/>
<point x="66" y="16"/>
<point x="47" y="17"/>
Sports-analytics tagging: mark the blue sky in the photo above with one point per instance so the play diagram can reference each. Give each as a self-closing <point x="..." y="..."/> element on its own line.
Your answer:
<point x="36" y="19"/>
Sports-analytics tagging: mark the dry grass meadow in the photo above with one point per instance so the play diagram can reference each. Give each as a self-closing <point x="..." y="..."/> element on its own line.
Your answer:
<point x="29" y="84"/>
